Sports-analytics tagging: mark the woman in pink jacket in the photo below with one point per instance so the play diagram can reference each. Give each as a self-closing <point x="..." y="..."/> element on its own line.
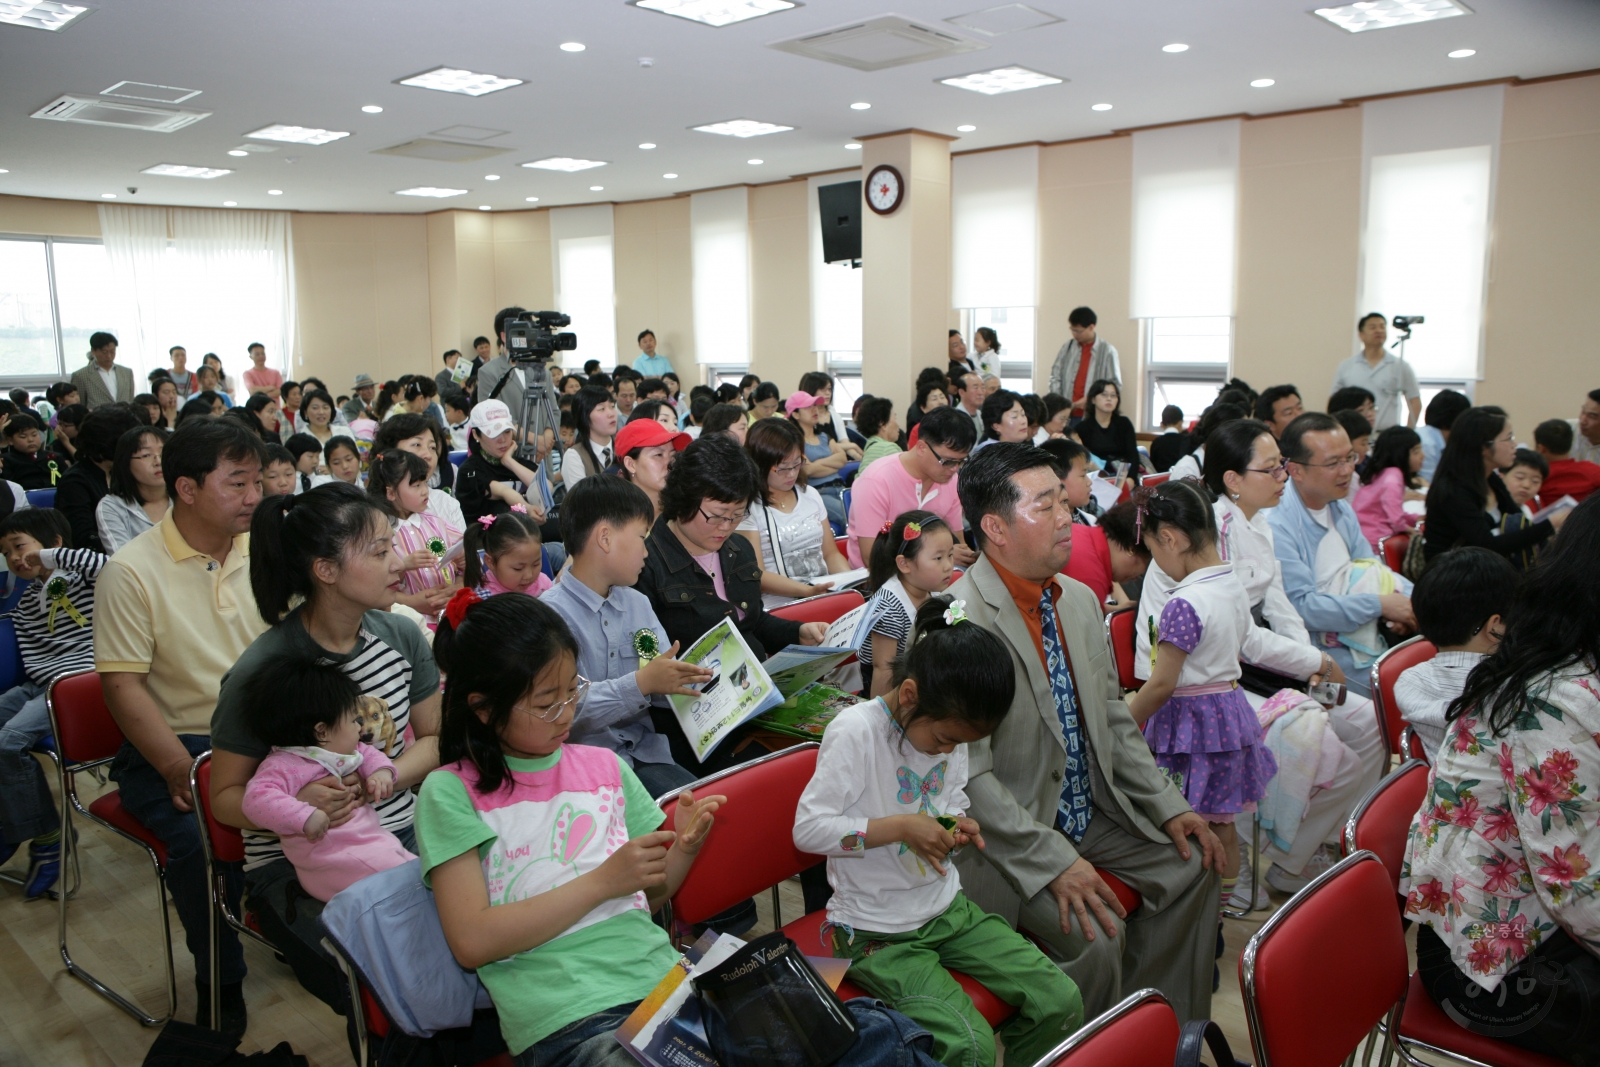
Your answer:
<point x="1387" y="482"/>
<point x="312" y="715"/>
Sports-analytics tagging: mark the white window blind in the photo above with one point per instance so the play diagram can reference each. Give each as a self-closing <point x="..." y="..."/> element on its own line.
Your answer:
<point x="835" y="287"/>
<point x="585" y="280"/>
<point x="719" y="235"/>
<point x="1185" y="193"/>
<point x="1430" y="163"/>
<point x="994" y="228"/>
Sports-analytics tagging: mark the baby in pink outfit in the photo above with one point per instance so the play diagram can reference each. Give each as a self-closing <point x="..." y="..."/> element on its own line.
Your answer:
<point x="308" y="715"/>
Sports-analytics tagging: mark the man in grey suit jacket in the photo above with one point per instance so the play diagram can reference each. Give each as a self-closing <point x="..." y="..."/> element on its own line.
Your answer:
<point x="1032" y="873"/>
<point x="92" y="380"/>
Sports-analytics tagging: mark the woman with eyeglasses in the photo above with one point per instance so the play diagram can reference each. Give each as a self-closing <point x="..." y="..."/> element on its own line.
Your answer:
<point x="788" y="521"/>
<point x="1468" y="502"/>
<point x="330" y="545"/>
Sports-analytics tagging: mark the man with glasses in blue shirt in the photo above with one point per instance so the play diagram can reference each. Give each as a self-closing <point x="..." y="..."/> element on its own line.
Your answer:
<point x="1349" y="599"/>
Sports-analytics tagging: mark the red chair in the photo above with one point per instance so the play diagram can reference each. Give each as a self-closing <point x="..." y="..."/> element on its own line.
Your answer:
<point x="222" y="844"/>
<point x="87" y="737"/>
<point x="1381" y="823"/>
<point x="1393" y="550"/>
<point x="824" y="608"/>
<point x="1142" y="1031"/>
<point x="1385" y="671"/>
<point x="1123" y="638"/>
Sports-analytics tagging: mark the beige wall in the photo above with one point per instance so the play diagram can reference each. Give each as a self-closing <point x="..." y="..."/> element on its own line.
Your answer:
<point x="780" y="283"/>
<point x="49" y="218"/>
<point x="655" y="278"/>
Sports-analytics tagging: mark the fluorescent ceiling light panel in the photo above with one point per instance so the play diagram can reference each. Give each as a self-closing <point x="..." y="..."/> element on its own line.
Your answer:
<point x="565" y="164"/>
<point x="1387" y="14"/>
<point x="1002" y="80"/>
<point x="742" y="128"/>
<point x="430" y="190"/>
<point x="161" y="94"/>
<point x="1008" y="18"/>
<point x="469" y="133"/>
<point x="178" y="170"/>
<point x="310" y="135"/>
<point x="251" y="149"/>
<point x="715" y="12"/>
<point x="40" y="14"/>
<point x="465" y="82"/>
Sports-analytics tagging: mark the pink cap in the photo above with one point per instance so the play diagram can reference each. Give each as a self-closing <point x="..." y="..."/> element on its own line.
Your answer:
<point x="802" y="399"/>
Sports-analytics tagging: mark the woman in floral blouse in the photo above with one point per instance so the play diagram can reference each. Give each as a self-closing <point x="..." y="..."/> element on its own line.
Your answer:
<point x="1503" y="866"/>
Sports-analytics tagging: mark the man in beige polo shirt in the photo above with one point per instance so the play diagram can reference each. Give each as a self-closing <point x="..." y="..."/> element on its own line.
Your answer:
<point x="173" y="611"/>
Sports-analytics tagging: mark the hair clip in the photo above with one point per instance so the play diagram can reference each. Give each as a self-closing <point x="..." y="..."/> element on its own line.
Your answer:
<point x="888" y="526"/>
<point x="459" y="604"/>
<point x="520" y="509"/>
<point x="486" y="521"/>
<point x="913" y="530"/>
<point x="956" y="612"/>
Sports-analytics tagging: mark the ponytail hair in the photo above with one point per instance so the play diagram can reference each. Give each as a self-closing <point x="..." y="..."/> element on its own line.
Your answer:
<point x="493" y="539"/>
<point x="1183" y="505"/>
<point x="390" y="470"/>
<point x="962" y="671"/>
<point x="495" y="653"/>
<point x="290" y="533"/>
<point x="893" y="542"/>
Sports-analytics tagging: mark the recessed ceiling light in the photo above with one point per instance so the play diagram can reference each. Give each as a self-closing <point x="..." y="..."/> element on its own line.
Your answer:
<point x="965" y="129"/>
<point x="485" y="207"/>
<point x="860" y="105"/>
<point x="373" y="109"/>
<point x="742" y="128"/>
<point x="571" y="46"/>
<point x="669" y="177"/>
<point x="491" y="177"/>
<point x="430" y="190"/>
<point x="1100" y="107"/>
<point x="565" y="163"/>
<point x="274" y="192"/>
<point x="230" y="203"/>
<point x="465" y="82"/>
<point x="39" y="14"/>
<point x="1174" y="48"/>
<point x="647" y="145"/>
<point x="249" y="149"/>
<point x="238" y="152"/>
<point x="755" y="162"/>
<point x="297" y="134"/>
<point x="1386" y="14"/>
<point x="715" y="12"/>
<point x="178" y="170"/>
<point x="1263" y="83"/>
<point x="596" y="188"/>
<point x="853" y="146"/>
<point x="4" y="171"/>
<point x="108" y="196"/>
<point x="531" y="199"/>
<point x="1461" y="53"/>
<point x="1002" y="80"/>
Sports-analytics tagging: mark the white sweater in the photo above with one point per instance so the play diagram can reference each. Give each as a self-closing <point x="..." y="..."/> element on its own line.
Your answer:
<point x="868" y="770"/>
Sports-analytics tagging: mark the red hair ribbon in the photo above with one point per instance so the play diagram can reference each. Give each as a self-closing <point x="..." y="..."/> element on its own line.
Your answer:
<point x="456" y="610"/>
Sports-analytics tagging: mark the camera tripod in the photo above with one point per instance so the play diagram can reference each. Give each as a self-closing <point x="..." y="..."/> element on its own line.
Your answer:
<point x="537" y="415"/>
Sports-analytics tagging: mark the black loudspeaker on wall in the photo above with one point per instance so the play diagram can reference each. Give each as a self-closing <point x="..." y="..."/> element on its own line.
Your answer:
<point x="840" y="208"/>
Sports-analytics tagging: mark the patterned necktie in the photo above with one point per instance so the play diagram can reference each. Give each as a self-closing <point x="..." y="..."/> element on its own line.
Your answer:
<point x="1076" y="804"/>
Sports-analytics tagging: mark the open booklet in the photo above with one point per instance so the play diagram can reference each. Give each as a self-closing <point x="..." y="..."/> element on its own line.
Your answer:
<point x="742" y="687"/>
<point x="665" y="1029"/>
<point x="1550" y="509"/>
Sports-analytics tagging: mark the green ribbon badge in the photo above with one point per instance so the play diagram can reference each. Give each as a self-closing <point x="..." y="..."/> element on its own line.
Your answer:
<point x="437" y="546"/>
<point x="645" y="643"/>
<point x="56" y="590"/>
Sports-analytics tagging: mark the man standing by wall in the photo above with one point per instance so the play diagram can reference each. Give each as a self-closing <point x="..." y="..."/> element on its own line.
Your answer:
<point x="104" y="380"/>
<point x="1067" y="784"/>
<point x="1381" y="374"/>
<point x="1586" y="442"/>
<point x="969" y="399"/>
<point x="1084" y="359"/>
<point x="647" y="362"/>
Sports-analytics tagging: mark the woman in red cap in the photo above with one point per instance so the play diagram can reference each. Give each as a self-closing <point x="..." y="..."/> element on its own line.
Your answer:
<point x="645" y="449"/>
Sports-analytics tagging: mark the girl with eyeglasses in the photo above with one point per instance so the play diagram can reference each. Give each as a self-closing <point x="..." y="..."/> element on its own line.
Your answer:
<point x="546" y="859"/>
<point x="788" y="522"/>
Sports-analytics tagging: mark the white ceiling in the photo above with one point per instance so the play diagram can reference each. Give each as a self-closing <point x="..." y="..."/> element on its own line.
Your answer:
<point x="317" y="63"/>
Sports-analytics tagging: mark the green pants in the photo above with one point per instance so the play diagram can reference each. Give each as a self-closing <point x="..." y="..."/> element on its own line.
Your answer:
<point x="907" y="971"/>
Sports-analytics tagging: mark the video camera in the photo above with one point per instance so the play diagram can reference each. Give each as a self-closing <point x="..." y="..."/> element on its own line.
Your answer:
<point x="1403" y="323"/>
<point x="530" y="337"/>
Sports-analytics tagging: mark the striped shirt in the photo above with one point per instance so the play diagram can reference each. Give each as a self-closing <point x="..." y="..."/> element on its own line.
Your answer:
<point x="53" y="648"/>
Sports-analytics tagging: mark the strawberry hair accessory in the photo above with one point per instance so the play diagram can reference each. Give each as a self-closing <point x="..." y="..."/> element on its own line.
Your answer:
<point x="912" y="531"/>
<point x="459" y="604"/>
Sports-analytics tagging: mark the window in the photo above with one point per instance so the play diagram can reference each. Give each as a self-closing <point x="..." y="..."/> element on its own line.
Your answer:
<point x="1185" y="362"/>
<point x="587" y="298"/>
<point x="43" y="340"/>
<point x="719" y="235"/>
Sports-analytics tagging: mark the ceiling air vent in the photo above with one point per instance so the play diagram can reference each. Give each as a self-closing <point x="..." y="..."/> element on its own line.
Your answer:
<point x="94" y="112"/>
<point x="443" y="151"/>
<point x="878" y="43"/>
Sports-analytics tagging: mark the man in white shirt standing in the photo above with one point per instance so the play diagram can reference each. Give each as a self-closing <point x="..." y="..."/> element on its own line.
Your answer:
<point x="1380" y="373"/>
<point x="969" y="399"/>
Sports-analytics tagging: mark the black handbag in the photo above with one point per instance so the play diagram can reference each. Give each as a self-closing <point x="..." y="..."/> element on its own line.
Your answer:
<point x="766" y="1006"/>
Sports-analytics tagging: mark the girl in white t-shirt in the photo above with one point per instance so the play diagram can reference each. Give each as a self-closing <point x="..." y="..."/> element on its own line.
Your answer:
<point x="913" y="557"/>
<point x="399" y="480"/>
<point x="887" y="806"/>
<point x="788" y="523"/>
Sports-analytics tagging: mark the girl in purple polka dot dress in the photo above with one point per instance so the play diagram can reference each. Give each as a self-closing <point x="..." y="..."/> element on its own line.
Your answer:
<point x="1196" y="719"/>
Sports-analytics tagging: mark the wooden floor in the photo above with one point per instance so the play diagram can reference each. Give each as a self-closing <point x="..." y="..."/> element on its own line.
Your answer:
<point x="53" y="1020"/>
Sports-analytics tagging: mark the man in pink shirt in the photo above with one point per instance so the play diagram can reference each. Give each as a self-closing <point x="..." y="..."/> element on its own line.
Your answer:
<point x="261" y="378"/>
<point x="924" y="477"/>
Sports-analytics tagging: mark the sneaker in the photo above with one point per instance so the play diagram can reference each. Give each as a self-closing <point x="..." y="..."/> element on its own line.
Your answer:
<point x="1240" y="900"/>
<point x="1322" y="859"/>
<point x="1284" y="882"/>
<point x="235" y="1020"/>
<point x="44" y="868"/>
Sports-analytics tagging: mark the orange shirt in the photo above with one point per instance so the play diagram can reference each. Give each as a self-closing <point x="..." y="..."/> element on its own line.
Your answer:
<point x="1025" y="593"/>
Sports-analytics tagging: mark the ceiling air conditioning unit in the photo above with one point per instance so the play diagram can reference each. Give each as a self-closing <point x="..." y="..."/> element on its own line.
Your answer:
<point x="93" y="112"/>
<point x="878" y="43"/>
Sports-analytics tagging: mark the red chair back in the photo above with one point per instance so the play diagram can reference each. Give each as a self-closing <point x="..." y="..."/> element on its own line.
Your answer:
<point x="1124" y="644"/>
<point x="1311" y="947"/>
<point x="1142" y="1031"/>
<point x="1382" y="821"/>
<point x="1394" y="550"/>
<point x="227" y="843"/>
<point x="85" y="730"/>
<point x="751" y="846"/>
<point x="825" y="608"/>
<point x="1385" y="671"/>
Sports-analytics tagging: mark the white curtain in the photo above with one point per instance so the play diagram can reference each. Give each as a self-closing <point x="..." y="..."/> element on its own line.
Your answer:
<point x="211" y="281"/>
<point x="1185" y="193"/>
<point x="719" y="235"/>
<point x="583" y="260"/>
<point x="994" y="223"/>
<point x="835" y="287"/>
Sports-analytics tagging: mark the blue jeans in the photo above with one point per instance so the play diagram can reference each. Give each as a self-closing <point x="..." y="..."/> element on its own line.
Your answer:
<point x="144" y="795"/>
<point x="833" y="501"/>
<point x="589" y="1042"/>
<point x="26" y="808"/>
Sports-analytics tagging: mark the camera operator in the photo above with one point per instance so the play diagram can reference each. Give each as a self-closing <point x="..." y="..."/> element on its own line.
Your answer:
<point x="1381" y="374"/>
<point x="511" y="394"/>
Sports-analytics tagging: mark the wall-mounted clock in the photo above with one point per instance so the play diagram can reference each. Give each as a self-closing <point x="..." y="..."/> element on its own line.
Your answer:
<point x="886" y="190"/>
